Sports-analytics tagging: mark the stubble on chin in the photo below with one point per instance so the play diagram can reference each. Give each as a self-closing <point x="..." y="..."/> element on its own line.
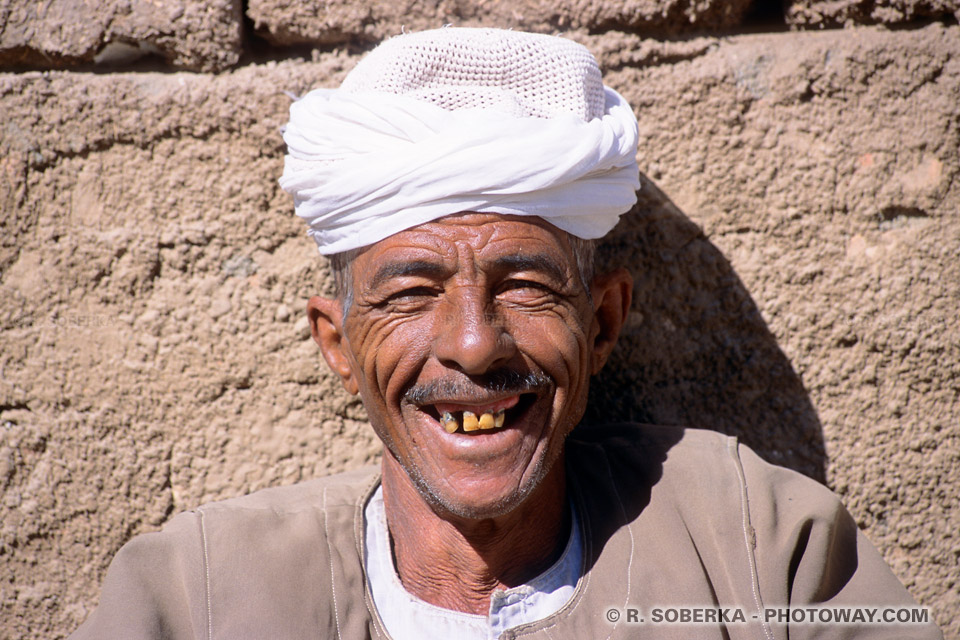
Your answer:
<point x="444" y="505"/>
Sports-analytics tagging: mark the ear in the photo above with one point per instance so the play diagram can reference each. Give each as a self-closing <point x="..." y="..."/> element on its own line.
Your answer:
<point x="612" y="293"/>
<point x="326" y="326"/>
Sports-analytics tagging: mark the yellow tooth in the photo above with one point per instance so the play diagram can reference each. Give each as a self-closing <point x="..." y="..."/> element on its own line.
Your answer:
<point x="470" y="422"/>
<point x="499" y="419"/>
<point x="486" y="421"/>
<point x="449" y="422"/>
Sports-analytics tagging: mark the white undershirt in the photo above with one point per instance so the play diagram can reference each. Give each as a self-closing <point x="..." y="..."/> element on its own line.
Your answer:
<point x="407" y="617"/>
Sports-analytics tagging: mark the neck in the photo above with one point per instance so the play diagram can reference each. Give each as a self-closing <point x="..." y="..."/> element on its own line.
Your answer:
<point x="457" y="563"/>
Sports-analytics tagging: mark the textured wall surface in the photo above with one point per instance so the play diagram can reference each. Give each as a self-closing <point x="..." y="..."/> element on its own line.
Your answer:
<point x="831" y="13"/>
<point x="203" y="36"/>
<point x="337" y="21"/>
<point x="794" y="249"/>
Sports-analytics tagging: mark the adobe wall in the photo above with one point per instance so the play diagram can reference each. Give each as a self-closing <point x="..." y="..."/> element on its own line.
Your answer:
<point x="795" y="255"/>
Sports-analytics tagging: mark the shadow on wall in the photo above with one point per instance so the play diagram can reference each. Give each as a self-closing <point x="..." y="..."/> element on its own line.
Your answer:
<point x="695" y="350"/>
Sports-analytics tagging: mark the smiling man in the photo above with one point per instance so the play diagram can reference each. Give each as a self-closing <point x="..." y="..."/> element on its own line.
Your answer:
<point x="471" y="341"/>
<point x="457" y="180"/>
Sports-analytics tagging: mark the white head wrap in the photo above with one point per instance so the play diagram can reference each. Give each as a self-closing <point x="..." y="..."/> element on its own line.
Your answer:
<point x="442" y="122"/>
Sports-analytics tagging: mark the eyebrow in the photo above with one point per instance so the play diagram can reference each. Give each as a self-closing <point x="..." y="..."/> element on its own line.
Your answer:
<point x="400" y="269"/>
<point x="535" y="262"/>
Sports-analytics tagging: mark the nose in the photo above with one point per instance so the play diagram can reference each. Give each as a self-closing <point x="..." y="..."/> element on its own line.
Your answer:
<point x="471" y="336"/>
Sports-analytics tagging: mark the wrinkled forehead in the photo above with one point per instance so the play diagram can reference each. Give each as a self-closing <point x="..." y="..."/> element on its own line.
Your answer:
<point x="475" y="238"/>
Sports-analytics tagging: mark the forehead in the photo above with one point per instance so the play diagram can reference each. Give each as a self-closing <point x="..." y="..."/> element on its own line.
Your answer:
<point x="477" y="237"/>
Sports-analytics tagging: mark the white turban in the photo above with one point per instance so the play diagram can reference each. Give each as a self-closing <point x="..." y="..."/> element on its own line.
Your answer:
<point x="365" y="164"/>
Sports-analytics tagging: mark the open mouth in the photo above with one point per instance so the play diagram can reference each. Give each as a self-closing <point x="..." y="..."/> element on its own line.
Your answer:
<point x="470" y="418"/>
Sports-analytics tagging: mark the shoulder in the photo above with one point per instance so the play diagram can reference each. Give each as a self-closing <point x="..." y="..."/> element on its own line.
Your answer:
<point x="667" y="453"/>
<point x="256" y="523"/>
<point x="628" y="439"/>
<point x="698" y="471"/>
<point x="770" y="529"/>
<point x="339" y="490"/>
<point x="655" y="453"/>
<point x="272" y="525"/>
<point x="246" y="567"/>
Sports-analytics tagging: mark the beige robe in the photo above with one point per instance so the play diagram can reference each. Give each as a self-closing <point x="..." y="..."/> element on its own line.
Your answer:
<point x="671" y="519"/>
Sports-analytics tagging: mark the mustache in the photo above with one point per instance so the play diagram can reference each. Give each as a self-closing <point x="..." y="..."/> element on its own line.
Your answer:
<point x="502" y="381"/>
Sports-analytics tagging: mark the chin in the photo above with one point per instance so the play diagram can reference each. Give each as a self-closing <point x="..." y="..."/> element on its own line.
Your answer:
<point x="479" y="504"/>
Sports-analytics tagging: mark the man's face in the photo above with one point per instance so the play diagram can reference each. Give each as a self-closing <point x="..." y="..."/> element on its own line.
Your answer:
<point x="474" y="312"/>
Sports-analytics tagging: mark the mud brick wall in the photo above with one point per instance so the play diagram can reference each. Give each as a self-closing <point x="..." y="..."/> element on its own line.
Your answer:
<point x="795" y="251"/>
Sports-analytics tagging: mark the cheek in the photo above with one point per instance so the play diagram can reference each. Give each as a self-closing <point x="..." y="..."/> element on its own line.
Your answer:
<point x="387" y="349"/>
<point x="557" y="342"/>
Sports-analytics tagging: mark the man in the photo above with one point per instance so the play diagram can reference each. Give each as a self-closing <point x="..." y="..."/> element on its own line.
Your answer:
<point x="457" y="179"/>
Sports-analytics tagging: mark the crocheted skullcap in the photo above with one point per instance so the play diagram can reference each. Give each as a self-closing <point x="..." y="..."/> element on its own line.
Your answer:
<point x="521" y="74"/>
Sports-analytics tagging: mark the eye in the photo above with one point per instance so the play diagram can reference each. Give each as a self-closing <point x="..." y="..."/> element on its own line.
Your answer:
<point x="524" y="288"/>
<point x="412" y="294"/>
